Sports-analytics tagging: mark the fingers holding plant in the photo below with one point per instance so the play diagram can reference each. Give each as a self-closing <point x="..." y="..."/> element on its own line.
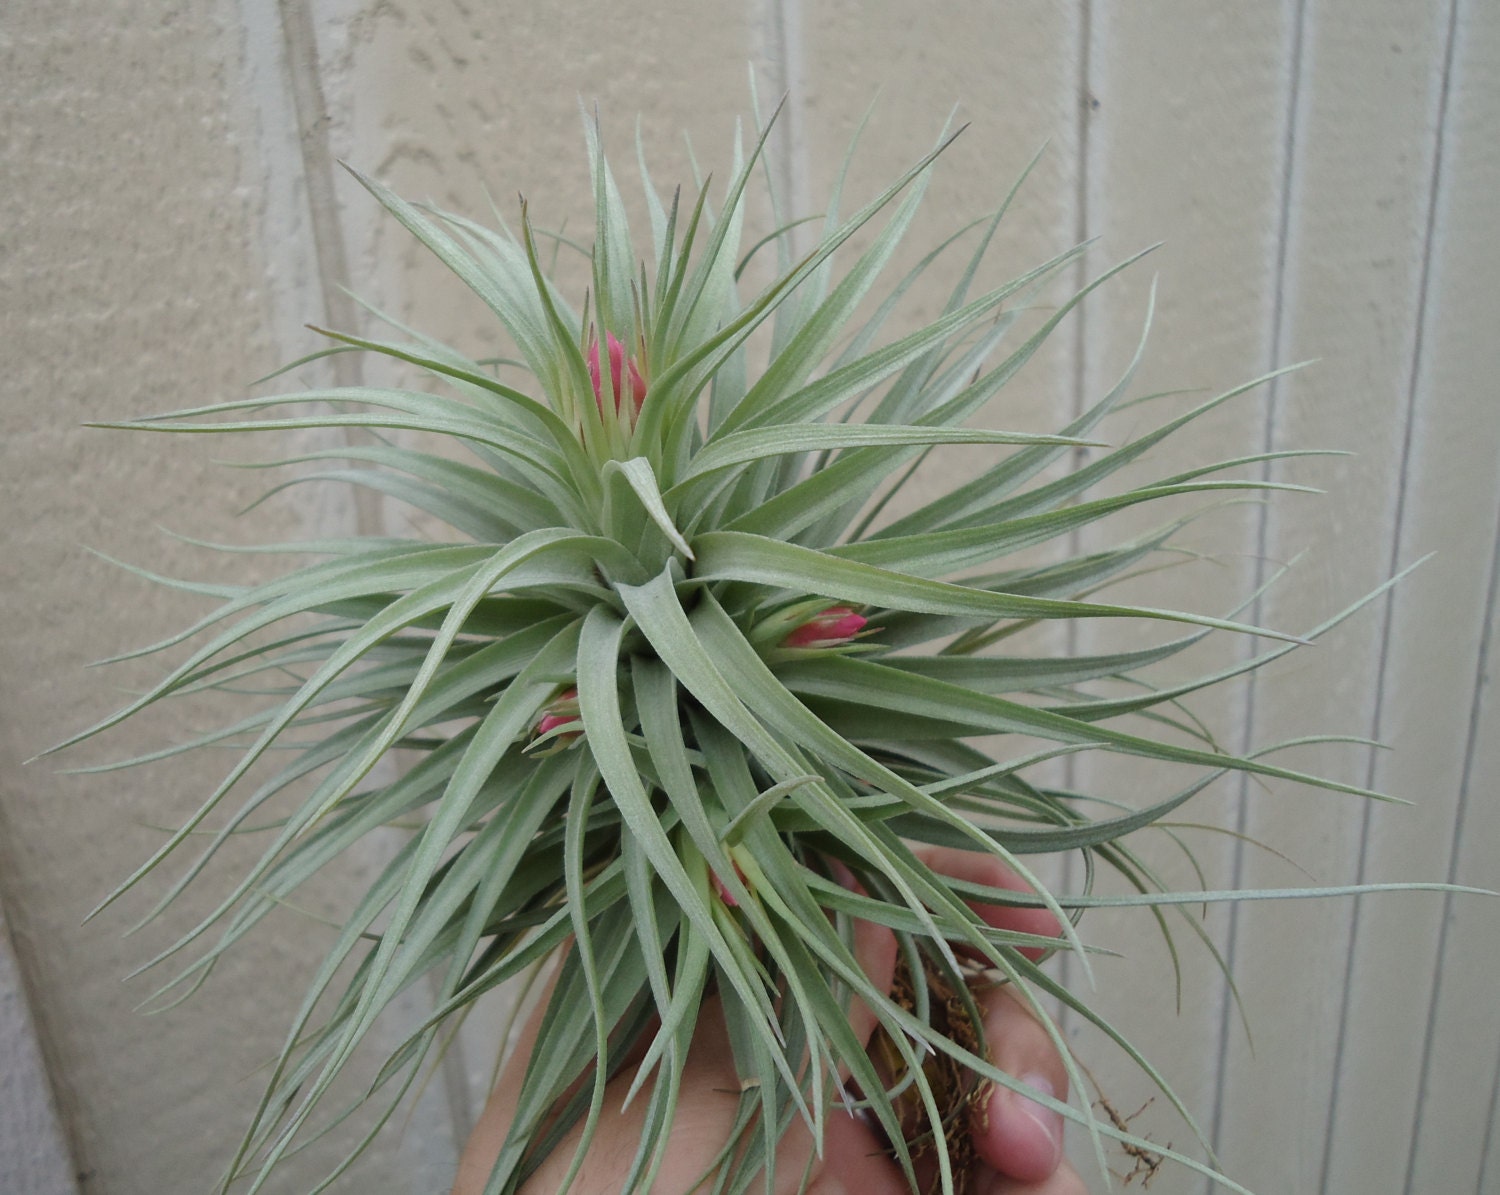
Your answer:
<point x="996" y="1134"/>
<point x="1006" y="1142"/>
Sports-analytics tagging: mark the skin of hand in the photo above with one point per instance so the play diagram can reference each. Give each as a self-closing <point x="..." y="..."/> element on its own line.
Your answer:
<point x="1018" y="1143"/>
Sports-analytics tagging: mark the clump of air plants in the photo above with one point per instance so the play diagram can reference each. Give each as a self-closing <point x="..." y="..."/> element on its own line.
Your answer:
<point x="685" y="695"/>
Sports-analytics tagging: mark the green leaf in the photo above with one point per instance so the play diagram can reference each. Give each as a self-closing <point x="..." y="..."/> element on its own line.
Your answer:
<point x="736" y="556"/>
<point x="598" y="657"/>
<point x="882" y="687"/>
<point x="757" y="444"/>
<point x="642" y="479"/>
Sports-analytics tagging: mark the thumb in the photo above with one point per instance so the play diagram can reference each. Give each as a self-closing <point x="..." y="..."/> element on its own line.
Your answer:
<point x="1019" y="1137"/>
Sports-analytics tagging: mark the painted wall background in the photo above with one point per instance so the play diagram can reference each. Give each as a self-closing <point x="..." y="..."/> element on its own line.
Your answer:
<point x="1322" y="173"/>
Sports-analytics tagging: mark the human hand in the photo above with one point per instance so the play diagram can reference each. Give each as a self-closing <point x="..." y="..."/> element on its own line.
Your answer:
<point x="1017" y="1143"/>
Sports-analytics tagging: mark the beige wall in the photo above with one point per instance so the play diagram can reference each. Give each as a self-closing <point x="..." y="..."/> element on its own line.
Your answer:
<point x="1323" y="176"/>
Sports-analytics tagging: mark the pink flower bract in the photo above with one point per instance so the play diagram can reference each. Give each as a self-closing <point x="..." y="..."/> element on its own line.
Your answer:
<point x="561" y="711"/>
<point x="834" y="627"/>
<point x="618" y="365"/>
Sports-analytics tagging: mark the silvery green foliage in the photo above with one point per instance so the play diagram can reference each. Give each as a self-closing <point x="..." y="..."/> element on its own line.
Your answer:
<point x="680" y="664"/>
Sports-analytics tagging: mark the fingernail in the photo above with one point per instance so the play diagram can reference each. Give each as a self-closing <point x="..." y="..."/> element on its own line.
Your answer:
<point x="1046" y="1119"/>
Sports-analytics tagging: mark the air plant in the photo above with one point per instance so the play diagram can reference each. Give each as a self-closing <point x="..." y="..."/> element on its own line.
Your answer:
<point x="686" y="690"/>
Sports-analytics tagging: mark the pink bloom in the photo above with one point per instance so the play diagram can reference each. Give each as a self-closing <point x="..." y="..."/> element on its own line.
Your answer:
<point x="834" y="627"/>
<point x="722" y="889"/>
<point x="562" y="710"/>
<point x="617" y="368"/>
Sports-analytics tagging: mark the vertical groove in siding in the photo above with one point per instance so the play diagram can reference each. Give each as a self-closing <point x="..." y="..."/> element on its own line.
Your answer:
<point x="317" y="171"/>
<point x="1480" y="667"/>
<point x="318" y="174"/>
<point x="1278" y="330"/>
<point x="776" y="27"/>
<point x="1489" y="1135"/>
<point x="790" y="13"/>
<point x="1398" y="535"/>
<point x="327" y="231"/>
<point x="1081" y="232"/>
<point x="1081" y="226"/>
<point x="1481" y="663"/>
<point x="1484" y="646"/>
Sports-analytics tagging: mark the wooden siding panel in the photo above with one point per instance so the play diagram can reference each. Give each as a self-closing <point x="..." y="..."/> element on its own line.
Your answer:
<point x="1456" y="1108"/>
<point x="1186" y="147"/>
<point x="1443" y="742"/>
<point x="1010" y="75"/>
<point x="1348" y="298"/>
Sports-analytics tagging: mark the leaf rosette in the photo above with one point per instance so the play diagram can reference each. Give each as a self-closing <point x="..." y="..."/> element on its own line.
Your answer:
<point x="685" y="692"/>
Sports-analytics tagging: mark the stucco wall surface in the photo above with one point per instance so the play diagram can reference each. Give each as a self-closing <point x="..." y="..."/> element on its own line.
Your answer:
<point x="137" y="277"/>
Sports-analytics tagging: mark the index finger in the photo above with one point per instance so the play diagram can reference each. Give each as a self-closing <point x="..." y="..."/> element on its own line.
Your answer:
<point x="974" y="867"/>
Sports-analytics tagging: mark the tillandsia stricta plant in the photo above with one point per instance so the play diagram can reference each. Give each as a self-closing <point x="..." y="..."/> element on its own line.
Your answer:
<point x="687" y="694"/>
